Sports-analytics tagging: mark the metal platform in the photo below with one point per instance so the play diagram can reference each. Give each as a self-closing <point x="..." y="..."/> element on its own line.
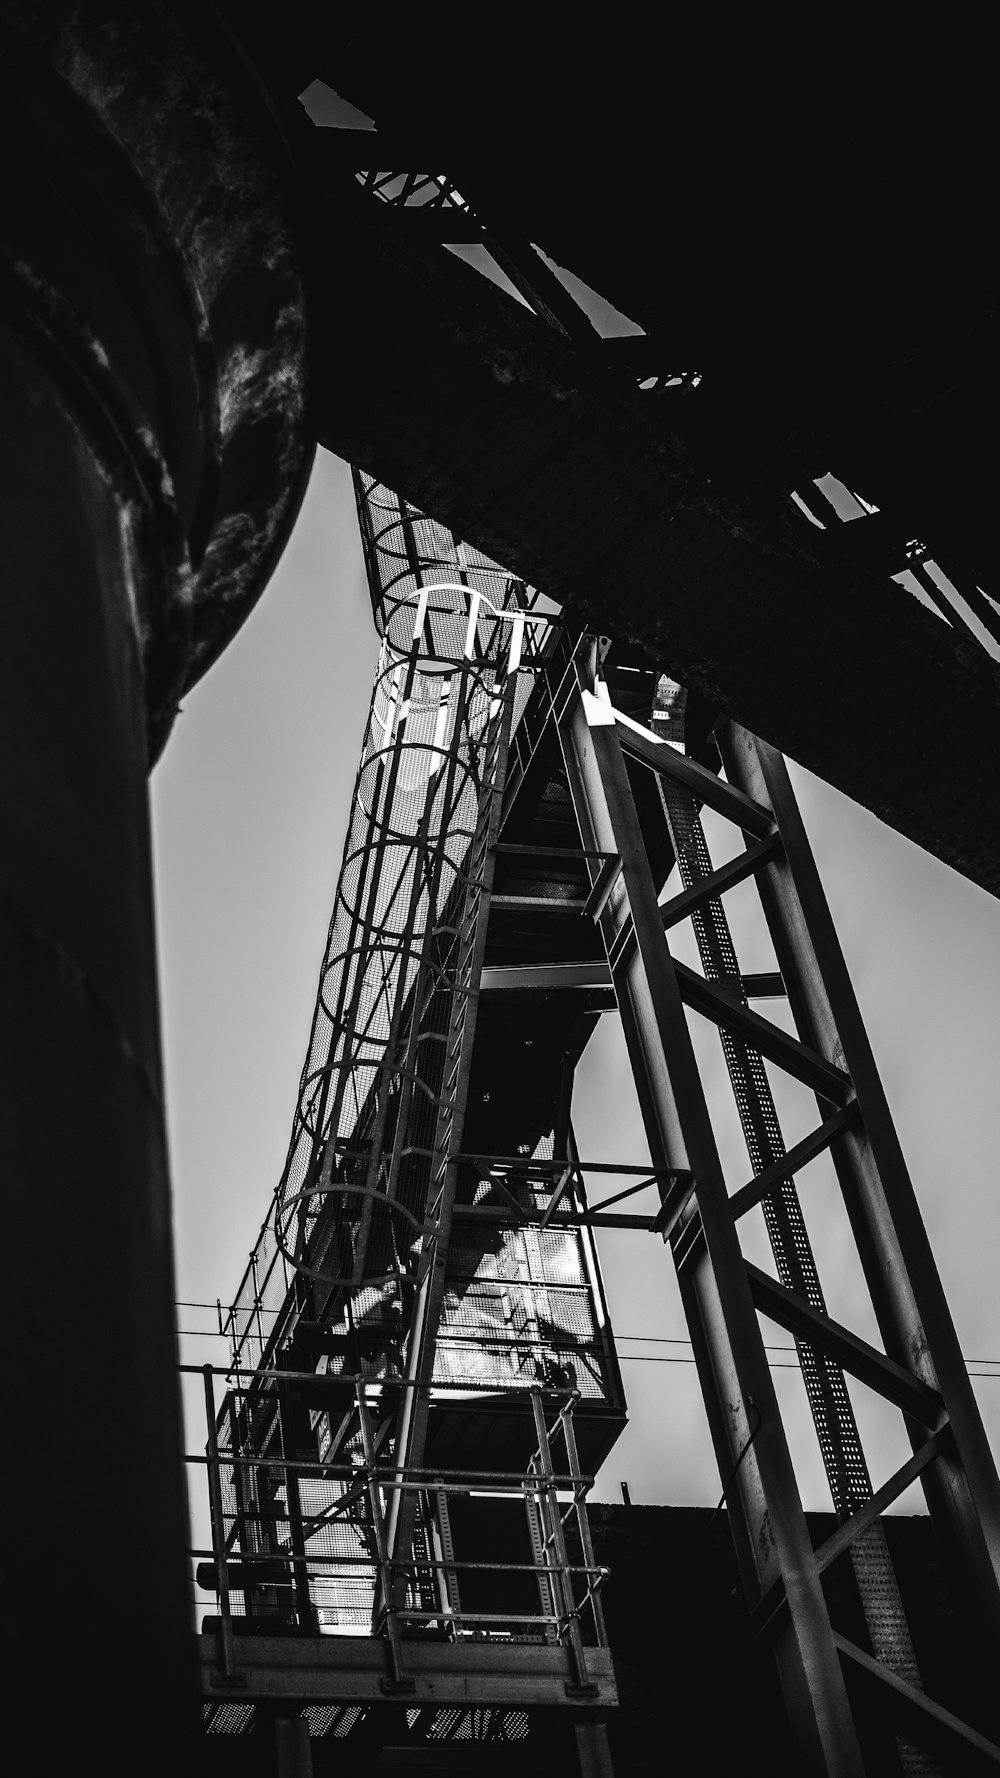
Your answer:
<point x="354" y="1670"/>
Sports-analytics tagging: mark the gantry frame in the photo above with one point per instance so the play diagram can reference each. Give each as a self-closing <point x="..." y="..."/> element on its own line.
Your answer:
<point x="921" y="1370"/>
<point x="606" y="876"/>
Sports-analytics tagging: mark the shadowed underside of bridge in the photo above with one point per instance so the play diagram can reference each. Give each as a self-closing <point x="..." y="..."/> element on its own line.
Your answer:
<point x="808" y="238"/>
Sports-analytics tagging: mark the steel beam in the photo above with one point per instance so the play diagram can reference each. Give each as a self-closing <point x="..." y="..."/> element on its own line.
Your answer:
<point x="679" y="907"/>
<point x="351" y="1670"/>
<point x="852" y="1354"/>
<point x="909" y="1302"/>
<point x="796" y="1157"/>
<point x="754" y="1461"/>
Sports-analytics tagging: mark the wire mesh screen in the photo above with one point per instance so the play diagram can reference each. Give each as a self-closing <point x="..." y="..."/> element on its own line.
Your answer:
<point x="521" y="1310"/>
<point x="351" y="1199"/>
<point x="458" y="631"/>
<point x="455" y="629"/>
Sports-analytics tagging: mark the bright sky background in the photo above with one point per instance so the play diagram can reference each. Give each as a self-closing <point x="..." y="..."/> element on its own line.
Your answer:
<point x="250" y="807"/>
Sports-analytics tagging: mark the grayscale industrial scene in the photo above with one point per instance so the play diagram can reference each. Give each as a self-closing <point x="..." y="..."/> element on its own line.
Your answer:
<point x="498" y="896"/>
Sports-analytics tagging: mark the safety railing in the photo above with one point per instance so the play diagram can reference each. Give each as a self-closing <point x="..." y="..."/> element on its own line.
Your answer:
<point x="300" y="1546"/>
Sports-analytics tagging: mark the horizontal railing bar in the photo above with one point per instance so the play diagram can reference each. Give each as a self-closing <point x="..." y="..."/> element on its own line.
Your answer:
<point x="845" y="1534"/>
<point x="577" y="1219"/>
<point x="553" y="851"/>
<point x="242" y="1388"/>
<point x="439" y="1614"/>
<point x="475" y="1480"/>
<point x="287" y="1559"/>
<point x="523" y="1163"/>
<point x="477" y="1617"/>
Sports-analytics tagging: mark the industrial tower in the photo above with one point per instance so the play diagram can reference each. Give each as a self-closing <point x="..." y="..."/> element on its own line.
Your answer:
<point x="421" y="1328"/>
<point x="198" y="282"/>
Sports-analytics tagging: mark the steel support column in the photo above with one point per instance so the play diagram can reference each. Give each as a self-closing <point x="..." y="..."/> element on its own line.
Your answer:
<point x="755" y="1464"/>
<point x="291" y="1741"/>
<point x="593" y="1750"/>
<point x="907" y="1296"/>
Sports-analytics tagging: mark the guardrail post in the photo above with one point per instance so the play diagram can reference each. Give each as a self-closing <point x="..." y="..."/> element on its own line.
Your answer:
<point x="555" y="1545"/>
<point x="398" y="1680"/>
<point x="218" y="1527"/>
<point x="583" y="1522"/>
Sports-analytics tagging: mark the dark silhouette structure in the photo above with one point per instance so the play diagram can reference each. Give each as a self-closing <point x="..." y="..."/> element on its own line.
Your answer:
<point x="772" y="483"/>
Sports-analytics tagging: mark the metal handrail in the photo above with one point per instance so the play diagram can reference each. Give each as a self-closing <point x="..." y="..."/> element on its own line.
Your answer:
<point x="568" y="1589"/>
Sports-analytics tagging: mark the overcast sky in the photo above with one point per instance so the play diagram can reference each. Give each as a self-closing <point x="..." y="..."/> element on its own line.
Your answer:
<point x="250" y="807"/>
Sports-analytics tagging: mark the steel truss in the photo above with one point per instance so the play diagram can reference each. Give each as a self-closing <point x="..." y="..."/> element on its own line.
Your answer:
<point x="381" y="1186"/>
<point x="328" y="1511"/>
<point x="278" y="1552"/>
<point x="920" y="1371"/>
<point x="429" y="207"/>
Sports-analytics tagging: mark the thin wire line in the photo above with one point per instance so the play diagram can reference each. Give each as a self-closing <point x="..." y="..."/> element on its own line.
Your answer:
<point x="632" y="1339"/>
<point x="204" y="1333"/>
